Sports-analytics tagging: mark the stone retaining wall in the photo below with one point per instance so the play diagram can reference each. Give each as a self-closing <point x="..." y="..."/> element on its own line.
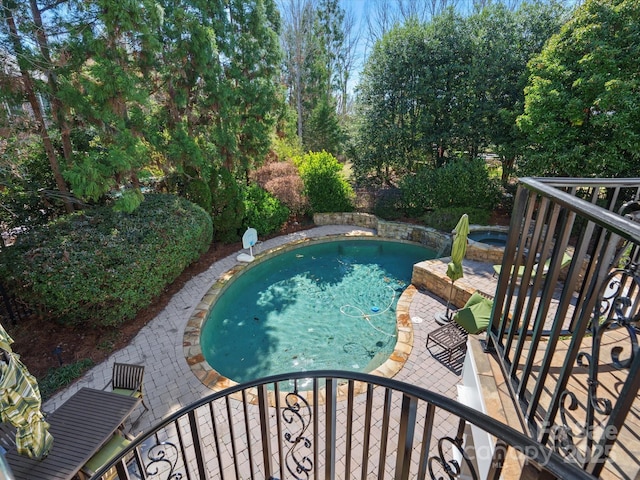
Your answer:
<point x="429" y="237"/>
<point x="427" y="275"/>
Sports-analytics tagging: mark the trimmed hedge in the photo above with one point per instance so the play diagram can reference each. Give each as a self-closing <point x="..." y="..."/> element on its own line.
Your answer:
<point x="100" y="267"/>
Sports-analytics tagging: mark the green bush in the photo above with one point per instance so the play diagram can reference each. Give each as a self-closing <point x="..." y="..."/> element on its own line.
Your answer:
<point x="263" y="211"/>
<point x="459" y="183"/>
<point x="101" y="267"/>
<point x="446" y="219"/>
<point x="227" y="210"/>
<point x="198" y="192"/>
<point x="325" y="187"/>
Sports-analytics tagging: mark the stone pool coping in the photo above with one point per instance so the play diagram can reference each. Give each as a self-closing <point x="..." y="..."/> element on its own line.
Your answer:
<point x="215" y="381"/>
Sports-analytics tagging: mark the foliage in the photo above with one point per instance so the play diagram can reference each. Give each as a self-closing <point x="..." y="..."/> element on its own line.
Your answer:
<point x="26" y="184"/>
<point x="446" y="219"/>
<point x="320" y="49"/>
<point x="325" y="187"/>
<point x="581" y="114"/>
<point x="282" y="180"/>
<point x="263" y="211"/>
<point x="141" y="86"/>
<point x="460" y="183"/>
<point x="388" y="205"/>
<point x="323" y="130"/>
<point x="449" y="87"/>
<point x="198" y="192"/>
<point x="62" y="376"/>
<point x="227" y="211"/>
<point x="100" y="267"/>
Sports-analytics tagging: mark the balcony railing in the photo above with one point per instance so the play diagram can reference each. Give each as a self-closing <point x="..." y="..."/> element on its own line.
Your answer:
<point x="566" y="337"/>
<point x="348" y="425"/>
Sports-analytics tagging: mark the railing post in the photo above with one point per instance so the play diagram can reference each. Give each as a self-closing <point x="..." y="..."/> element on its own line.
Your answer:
<point x="405" y="436"/>
<point x="197" y="447"/>
<point x="330" y="455"/>
<point x="265" y="429"/>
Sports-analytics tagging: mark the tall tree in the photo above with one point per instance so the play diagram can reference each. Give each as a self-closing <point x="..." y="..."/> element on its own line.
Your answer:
<point x="451" y="87"/>
<point x="581" y="116"/>
<point x="252" y="72"/>
<point x="298" y="44"/>
<point x="107" y="84"/>
<point x="48" y="67"/>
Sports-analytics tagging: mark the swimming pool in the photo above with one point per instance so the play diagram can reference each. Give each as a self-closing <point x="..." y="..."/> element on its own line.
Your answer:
<point x="326" y="305"/>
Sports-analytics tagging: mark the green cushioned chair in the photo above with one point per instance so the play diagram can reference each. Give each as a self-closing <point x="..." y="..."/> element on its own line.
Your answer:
<point x="474" y="317"/>
<point x="113" y="447"/>
<point x="566" y="260"/>
<point x="127" y="380"/>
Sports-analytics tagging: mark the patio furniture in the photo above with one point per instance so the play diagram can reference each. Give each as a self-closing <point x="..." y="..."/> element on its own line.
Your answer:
<point x="472" y="318"/>
<point x="126" y="379"/>
<point x="450" y="337"/>
<point x="113" y="447"/>
<point x="81" y="426"/>
<point x="7" y="437"/>
<point x="566" y="260"/>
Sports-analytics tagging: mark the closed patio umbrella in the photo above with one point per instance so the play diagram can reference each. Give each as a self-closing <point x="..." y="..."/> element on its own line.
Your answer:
<point x="20" y="403"/>
<point x="454" y="268"/>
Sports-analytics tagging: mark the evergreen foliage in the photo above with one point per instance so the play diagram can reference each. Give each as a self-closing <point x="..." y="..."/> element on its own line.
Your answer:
<point x="227" y="212"/>
<point x="450" y="87"/>
<point x="460" y="183"/>
<point x="100" y="267"/>
<point x="323" y="130"/>
<point x="324" y="184"/>
<point x="581" y="115"/>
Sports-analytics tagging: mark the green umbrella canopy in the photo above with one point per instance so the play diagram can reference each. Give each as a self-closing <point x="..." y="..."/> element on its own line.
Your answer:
<point x="20" y="403"/>
<point x="458" y="248"/>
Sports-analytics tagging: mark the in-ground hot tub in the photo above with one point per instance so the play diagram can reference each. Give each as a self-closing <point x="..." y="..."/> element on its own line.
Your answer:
<point x="487" y="242"/>
<point x="489" y="237"/>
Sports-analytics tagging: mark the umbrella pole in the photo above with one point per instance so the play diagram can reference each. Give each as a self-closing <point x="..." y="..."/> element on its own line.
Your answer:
<point x="444" y="318"/>
<point x="449" y="301"/>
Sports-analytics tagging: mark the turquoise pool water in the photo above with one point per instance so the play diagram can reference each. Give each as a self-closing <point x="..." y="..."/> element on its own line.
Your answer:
<point x="327" y="305"/>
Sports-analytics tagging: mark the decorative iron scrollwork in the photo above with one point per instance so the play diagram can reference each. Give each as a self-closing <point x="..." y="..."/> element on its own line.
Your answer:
<point x="617" y="307"/>
<point x="298" y="456"/>
<point x="452" y="468"/>
<point x="163" y="460"/>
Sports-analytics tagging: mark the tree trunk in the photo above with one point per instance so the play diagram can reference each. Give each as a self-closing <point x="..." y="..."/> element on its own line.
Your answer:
<point x="37" y="111"/>
<point x="56" y="105"/>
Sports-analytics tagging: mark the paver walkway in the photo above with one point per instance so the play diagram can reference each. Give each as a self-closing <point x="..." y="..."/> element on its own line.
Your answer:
<point x="170" y="384"/>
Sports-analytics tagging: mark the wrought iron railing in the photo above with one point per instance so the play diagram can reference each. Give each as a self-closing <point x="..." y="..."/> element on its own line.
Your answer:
<point x="566" y="334"/>
<point x="348" y="425"/>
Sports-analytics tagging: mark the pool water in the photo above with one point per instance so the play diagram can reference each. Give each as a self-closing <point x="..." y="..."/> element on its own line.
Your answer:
<point x="489" y="237"/>
<point x="329" y="305"/>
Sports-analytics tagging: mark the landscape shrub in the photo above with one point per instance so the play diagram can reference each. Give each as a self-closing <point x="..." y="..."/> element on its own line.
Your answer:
<point x="198" y="192"/>
<point x="459" y="183"/>
<point x="100" y="267"/>
<point x="263" y="211"/>
<point x="325" y="187"/>
<point x="282" y="180"/>
<point x="388" y="204"/>
<point x="227" y="206"/>
<point x="446" y="219"/>
<point x="62" y="376"/>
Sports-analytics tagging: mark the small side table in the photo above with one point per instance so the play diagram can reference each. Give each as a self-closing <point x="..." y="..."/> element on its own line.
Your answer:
<point x="450" y="337"/>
